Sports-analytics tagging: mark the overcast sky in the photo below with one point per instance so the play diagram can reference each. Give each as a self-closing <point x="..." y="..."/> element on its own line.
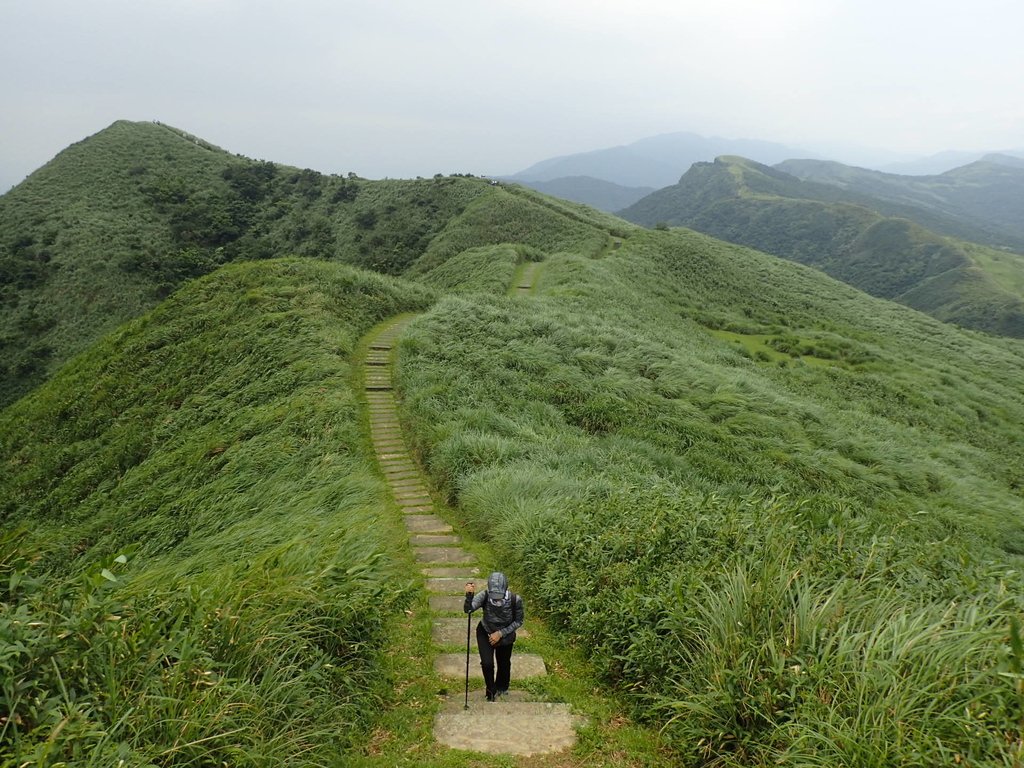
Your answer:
<point x="409" y="87"/>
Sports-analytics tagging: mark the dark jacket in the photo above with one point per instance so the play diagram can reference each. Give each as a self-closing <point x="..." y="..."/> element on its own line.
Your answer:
<point x="505" y="618"/>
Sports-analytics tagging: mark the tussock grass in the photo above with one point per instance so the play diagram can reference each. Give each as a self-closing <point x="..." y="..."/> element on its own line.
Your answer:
<point x="780" y="564"/>
<point x="204" y="577"/>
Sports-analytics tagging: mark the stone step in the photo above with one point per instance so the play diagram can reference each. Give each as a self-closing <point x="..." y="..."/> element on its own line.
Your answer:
<point x="418" y="509"/>
<point x="435" y="540"/>
<point x="412" y="502"/>
<point x="469" y="574"/>
<point x="417" y="489"/>
<point x="453" y="631"/>
<point x="426" y="524"/>
<point x="393" y="465"/>
<point x="506" y="727"/>
<point x="476" y="696"/>
<point x="408" y="498"/>
<point x="388" y="457"/>
<point x="446" y="586"/>
<point x="446" y="603"/>
<point x="402" y="474"/>
<point x="442" y="555"/>
<point x="453" y="665"/>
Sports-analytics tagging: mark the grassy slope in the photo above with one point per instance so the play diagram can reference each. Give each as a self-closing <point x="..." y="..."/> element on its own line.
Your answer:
<point x="217" y="440"/>
<point x="748" y="493"/>
<point x="764" y="555"/>
<point x="980" y="201"/>
<point x="116" y="222"/>
<point x="826" y="228"/>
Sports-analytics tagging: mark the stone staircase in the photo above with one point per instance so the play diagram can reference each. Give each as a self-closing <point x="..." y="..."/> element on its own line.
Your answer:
<point x="514" y="725"/>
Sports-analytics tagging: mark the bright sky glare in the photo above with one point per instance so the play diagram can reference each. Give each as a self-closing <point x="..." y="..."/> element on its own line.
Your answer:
<point x="403" y="88"/>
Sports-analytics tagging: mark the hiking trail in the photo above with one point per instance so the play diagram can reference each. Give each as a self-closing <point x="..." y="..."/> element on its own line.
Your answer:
<point x="516" y="724"/>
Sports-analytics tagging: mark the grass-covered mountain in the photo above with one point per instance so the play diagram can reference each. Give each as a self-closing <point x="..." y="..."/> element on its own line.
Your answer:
<point x="947" y="161"/>
<point x="987" y="195"/>
<point x="781" y="517"/>
<point x="865" y="242"/>
<point x="118" y="221"/>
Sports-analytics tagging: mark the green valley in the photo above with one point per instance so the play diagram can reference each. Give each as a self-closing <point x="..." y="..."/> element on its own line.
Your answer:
<point x="773" y="519"/>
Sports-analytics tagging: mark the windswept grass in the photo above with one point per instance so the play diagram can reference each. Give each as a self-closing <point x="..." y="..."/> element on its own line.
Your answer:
<point x="782" y="564"/>
<point x="208" y="572"/>
<point x="488" y="269"/>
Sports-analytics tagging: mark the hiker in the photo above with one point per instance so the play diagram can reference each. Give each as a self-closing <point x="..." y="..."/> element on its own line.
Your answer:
<point x="496" y="632"/>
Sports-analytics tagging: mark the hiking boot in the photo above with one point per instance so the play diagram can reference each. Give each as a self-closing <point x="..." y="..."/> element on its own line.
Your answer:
<point x="490" y="696"/>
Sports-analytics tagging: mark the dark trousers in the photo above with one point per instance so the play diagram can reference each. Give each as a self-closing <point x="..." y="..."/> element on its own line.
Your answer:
<point x="488" y="654"/>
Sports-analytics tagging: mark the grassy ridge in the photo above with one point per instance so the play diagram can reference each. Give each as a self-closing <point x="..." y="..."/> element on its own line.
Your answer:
<point x="979" y="201"/>
<point x="203" y="575"/>
<point x="850" y="236"/>
<point x="118" y="221"/>
<point x="764" y="556"/>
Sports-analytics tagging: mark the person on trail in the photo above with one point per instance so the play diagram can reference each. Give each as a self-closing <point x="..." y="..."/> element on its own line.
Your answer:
<point x="495" y="634"/>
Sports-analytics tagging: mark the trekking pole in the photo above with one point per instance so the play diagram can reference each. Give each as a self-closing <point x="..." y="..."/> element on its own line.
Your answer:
<point x="469" y="621"/>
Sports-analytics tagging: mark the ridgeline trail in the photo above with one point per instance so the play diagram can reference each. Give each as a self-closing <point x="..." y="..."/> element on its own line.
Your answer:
<point x="529" y="723"/>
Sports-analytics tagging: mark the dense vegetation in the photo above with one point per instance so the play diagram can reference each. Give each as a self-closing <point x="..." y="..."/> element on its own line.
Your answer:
<point x="783" y="519"/>
<point x="116" y="222"/>
<point x="982" y="201"/>
<point x="203" y="573"/>
<point x="846" y="236"/>
<point x="800" y="558"/>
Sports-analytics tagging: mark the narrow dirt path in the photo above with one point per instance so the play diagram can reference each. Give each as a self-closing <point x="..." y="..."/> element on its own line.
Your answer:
<point x="517" y="724"/>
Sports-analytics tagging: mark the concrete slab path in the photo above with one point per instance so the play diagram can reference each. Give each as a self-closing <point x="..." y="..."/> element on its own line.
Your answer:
<point x="513" y="725"/>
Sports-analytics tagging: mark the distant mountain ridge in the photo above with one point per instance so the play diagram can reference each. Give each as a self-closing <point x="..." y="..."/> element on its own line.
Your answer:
<point x="934" y="165"/>
<point x="598" y="193"/>
<point x="656" y="162"/>
<point x="986" y="195"/>
<point x="845" y="235"/>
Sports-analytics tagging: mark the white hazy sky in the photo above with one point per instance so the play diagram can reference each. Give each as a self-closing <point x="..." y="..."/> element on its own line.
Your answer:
<point x="406" y="87"/>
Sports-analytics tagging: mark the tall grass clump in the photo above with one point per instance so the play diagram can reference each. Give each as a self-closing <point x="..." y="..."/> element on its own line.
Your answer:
<point x="195" y="556"/>
<point x="799" y="564"/>
<point x="513" y="216"/>
<point x="487" y="269"/>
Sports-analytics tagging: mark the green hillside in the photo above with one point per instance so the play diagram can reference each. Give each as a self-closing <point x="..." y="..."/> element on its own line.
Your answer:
<point x="986" y="196"/>
<point x="783" y="520"/>
<point x="116" y="222"/>
<point x="846" y="236"/>
<point x="210" y="458"/>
